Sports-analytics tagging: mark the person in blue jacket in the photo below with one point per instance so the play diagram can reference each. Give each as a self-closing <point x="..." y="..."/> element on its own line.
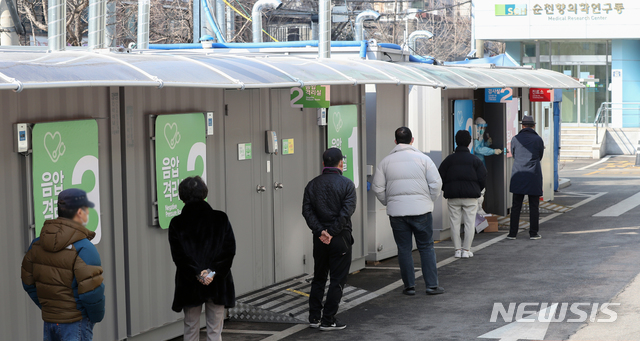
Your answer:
<point x="62" y="273"/>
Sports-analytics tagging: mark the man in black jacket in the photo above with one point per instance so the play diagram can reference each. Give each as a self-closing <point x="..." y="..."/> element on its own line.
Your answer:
<point x="463" y="177"/>
<point x="329" y="201"/>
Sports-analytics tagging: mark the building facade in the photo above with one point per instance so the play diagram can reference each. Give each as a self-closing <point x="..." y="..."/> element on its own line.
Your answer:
<point x="596" y="43"/>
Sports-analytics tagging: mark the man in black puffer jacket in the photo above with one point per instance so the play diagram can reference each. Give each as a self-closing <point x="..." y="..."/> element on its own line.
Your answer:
<point x="329" y="201"/>
<point x="463" y="177"/>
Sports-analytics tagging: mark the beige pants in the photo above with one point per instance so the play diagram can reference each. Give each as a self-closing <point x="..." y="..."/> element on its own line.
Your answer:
<point x="463" y="210"/>
<point x="215" y="319"/>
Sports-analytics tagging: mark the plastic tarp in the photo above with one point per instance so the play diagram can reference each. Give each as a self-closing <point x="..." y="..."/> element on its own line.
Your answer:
<point x="503" y="59"/>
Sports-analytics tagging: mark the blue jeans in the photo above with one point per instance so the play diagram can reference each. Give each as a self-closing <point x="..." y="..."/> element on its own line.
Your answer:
<point x="421" y="226"/>
<point x="76" y="331"/>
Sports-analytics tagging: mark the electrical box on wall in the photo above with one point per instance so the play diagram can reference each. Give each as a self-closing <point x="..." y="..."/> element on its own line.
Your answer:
<point x="322" y="116"/>
<point x="209" y="123"/>
<point x="22" y="138"/>
<point x="271" y="142"/>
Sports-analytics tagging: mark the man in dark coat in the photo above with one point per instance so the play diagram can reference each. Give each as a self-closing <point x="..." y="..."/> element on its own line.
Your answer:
<point x="527" y="149"/>
<point x="328" y="203"/>
<point x="463" y="177"/>
<point x="202" y="247"/>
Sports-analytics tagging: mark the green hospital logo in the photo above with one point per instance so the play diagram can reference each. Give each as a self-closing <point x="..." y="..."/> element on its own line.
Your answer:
<point x="171" y="134"/>
<point x="511" y="10"/>
<point x="54" y="146"/>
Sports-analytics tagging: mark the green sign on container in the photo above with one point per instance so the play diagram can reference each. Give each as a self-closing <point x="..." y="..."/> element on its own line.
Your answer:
<point x="342" y="131"/>
<point x="180" y="153"/>
<point x="65" y="155"/>
<point x="311" y="96"/>
<point x="244" y="151"/>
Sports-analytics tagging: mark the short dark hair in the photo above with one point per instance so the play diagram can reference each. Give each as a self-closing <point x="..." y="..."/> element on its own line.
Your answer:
<point x="331" y="157"/>
<point x="192" y="189"/>
<point x="463" y="138"/>
<point x="403" y="135"/>
<point x="67" y="212"/>
<point x="528" y="125"/>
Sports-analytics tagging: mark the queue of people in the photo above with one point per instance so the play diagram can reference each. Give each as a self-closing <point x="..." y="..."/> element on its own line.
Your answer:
<point x="62" y="273"/>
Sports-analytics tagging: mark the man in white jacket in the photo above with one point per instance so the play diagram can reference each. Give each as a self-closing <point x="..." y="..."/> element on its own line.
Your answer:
<point x="408" y="183"/>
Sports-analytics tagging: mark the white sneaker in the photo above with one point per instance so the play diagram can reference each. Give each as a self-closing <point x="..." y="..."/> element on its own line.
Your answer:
<point x="458" y="253"/>
<point x="467" y="254"/>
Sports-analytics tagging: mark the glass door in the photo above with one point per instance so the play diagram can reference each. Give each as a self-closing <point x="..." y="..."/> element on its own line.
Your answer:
<point x="579" y="106"/>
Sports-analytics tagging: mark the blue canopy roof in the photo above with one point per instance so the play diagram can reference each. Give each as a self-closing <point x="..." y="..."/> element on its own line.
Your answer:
<point x="499" y="60"/>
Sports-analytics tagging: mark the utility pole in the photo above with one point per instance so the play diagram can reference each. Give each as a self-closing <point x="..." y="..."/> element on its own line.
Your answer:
<point x="9" y="36"/>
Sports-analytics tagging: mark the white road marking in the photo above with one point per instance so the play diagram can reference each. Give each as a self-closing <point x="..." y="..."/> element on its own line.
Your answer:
<point x="286" y="332"/>
<point x="595" y="163"/>
<point x="257" y="332"/>
<point x="591" y="198"/>
<point x="621" y="207"/>
<point x="397" y="284"/>
<point x="524" y="329"/>
<point x="603" y="230"/>
<point x="572" y="195"/>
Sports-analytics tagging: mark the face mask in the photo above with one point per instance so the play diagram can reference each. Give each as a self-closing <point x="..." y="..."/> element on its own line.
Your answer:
<point x="86" y="222"/>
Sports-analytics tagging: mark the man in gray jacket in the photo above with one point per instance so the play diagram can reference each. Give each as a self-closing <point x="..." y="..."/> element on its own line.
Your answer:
<point x="408" y="183"/>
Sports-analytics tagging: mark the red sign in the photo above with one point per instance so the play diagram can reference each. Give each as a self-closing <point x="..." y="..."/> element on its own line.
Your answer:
<point x="540" y="95"/>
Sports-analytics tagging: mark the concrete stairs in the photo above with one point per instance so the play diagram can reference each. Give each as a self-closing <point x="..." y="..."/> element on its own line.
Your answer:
<point x="577" y="142"/>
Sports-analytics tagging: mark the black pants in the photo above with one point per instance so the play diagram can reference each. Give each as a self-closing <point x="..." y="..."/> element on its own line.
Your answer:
<point x="534" y="214"/>
<point x="334" y="260"/>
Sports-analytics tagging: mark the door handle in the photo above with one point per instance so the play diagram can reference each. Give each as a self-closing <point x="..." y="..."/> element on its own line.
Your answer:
<point x="277" y="185"/>
<point x="260" y="189"/>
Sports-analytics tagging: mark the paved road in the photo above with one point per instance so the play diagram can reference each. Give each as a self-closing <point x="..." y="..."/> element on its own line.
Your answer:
<point x="588" y="257"/>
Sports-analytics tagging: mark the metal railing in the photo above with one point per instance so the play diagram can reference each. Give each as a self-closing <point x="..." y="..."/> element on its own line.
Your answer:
<point x="603" y="115"/>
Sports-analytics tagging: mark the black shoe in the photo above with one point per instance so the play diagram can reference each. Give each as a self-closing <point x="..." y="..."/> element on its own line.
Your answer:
<point x="314" y="323"/>
<point x="511" y="237"/>
<point x="409" y="291"/>
<point x="536" y="236"/>
<point x="435" y="291"/>
<point x="333" y="326"/>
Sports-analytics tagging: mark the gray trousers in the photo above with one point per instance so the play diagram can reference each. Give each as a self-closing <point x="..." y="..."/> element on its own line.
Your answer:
<point x="215" y="320"/>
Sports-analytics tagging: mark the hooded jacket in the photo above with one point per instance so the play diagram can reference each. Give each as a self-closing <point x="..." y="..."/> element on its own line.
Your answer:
<point x="62" y="273"/>
<point x="407" y="182"/>
<point x="202" y="238"/>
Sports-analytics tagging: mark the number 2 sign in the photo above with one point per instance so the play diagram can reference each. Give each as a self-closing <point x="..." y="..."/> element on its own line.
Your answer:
<point x="312" y="96"/>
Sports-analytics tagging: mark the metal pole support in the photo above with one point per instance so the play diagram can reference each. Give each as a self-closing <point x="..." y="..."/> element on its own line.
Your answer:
<point x="638" y="154"/>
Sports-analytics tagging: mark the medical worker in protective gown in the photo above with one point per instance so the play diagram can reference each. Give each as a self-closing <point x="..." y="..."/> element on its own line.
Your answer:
<point x="481" y="148"/>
